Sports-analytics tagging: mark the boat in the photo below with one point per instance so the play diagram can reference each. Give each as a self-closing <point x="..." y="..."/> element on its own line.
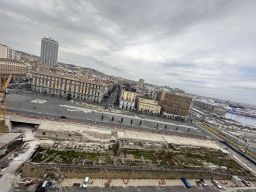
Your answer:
<point x="244" y="112"/>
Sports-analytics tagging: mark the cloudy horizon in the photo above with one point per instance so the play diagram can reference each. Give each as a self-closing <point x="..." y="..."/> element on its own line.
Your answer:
<point x="205" y="47"/>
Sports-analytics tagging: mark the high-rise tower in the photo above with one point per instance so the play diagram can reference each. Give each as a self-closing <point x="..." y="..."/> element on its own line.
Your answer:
<point x="49" y="52"/>
<point x="141" y="83"/>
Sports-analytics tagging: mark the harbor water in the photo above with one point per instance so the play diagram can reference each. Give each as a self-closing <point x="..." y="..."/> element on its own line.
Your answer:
<point x="241" y="119"/>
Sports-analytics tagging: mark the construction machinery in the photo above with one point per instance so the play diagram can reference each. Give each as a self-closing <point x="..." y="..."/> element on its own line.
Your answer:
<point x="3" y="101"/>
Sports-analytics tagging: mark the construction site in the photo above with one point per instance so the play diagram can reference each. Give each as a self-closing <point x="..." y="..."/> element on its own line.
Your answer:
<point x="60" y="151"/>
<point x="68" y="152"/>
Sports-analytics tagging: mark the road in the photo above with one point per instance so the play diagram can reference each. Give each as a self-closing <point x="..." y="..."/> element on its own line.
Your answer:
<point x="236" y="144"/>
<point x="47" y="106"/>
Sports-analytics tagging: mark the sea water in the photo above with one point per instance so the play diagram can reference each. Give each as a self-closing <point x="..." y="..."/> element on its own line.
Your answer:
<point x="241" y="119"/>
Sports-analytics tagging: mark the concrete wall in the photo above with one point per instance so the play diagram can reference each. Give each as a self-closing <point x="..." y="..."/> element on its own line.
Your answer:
<point x="32" y="170"/>
<point x="8" y="125"/>
<point x="72" y="135"/>
<point x="210" y="108"/>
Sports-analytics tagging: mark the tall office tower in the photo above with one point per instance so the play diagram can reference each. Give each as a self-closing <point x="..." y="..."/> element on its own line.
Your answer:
<point x="141" y="83"/>
<point x="49" y="52"/>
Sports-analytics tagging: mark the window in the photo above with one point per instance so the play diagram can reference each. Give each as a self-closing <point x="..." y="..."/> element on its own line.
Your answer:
<point x="43" y="133"/>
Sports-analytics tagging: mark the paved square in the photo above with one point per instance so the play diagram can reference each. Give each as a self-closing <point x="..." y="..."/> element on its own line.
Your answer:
<point x="39" y="101"/>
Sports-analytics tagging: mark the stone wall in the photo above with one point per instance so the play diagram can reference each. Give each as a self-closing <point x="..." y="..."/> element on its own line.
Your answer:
<point x="33" y="170"/>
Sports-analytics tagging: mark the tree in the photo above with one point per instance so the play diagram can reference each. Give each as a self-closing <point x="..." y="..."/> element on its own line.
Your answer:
<point x="69" y="97"/>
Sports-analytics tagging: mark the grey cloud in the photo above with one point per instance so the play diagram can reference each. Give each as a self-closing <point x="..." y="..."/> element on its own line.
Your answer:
<point x="101" y="63"/>
<point x="172" y="74"/>
<point x="177" y="64"/>
<point x="120" y="24"/>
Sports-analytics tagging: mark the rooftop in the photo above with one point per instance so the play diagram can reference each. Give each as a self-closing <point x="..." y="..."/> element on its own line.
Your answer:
<point x="6" y="138"/>
<point x="9" y="60"/>
<point x="67" y="77"/>
<point x="49" y="39"/>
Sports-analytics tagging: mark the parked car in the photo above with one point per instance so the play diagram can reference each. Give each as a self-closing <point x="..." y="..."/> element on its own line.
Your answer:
<point x="86" y="182"/>
<point x="245" y="182"/>
<point x="216" y="184"/>
<point x="185" y="181"/>
<point x="203" y="182"/>
<point x="63" y="117"/>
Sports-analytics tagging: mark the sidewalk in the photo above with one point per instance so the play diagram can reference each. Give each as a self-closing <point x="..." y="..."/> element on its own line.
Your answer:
<point x="132" y="182"/>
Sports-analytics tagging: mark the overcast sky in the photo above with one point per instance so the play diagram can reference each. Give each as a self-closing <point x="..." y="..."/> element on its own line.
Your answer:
<point x="206" y="47"/>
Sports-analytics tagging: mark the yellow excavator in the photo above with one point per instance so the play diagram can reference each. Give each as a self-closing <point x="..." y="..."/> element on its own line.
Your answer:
<point x="3" y="102"/>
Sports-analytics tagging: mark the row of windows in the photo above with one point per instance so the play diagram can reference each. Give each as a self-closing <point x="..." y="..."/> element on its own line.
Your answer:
<point x="91" y="92"/>
<point x="59" y="80"/>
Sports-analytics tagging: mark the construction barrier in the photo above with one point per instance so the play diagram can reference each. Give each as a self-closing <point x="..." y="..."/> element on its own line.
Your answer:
<point x="162" y="182"/>
<point x="125" y="182"/>
<point x="223" y="182"/>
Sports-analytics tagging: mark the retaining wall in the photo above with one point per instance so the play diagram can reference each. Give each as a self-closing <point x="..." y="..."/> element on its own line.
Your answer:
<point x="34" y="170"/>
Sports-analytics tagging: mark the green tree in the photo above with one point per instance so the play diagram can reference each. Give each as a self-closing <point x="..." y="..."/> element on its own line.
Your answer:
<point x="69" y="97"/>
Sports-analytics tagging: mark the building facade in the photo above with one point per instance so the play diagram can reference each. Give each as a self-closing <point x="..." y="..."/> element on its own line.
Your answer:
<point x="141" y="83"/>
<point x="49" y="52"/>
<point x="6" y="52"/>
<point x="61" y="85"/>
<point x="3" y="51"/>
<point x="127" y="99"/>
<point x="210" y="108"/>
<point x="174" y="103"/>
<point x="147" y="105"/>
<point x="15" y="68"/>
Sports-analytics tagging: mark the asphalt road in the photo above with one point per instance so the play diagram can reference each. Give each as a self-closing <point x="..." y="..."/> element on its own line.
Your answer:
<point x="48" y="106"/>
<point x="144" y="189"/>
<point x="148" y="189"/>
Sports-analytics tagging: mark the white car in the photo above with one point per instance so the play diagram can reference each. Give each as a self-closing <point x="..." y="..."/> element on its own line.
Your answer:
<point x="216" y="184"/>
<point x="203" y="182"/>
<point x="86" y="182"/>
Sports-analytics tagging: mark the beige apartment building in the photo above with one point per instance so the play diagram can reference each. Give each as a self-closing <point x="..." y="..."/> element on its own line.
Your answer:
<point x="61" y="85"/>
<point x="15" y="68"/>
<point x="148" y="105"/>
<point x="127" y="99"/>
<point x="3" y="51"/>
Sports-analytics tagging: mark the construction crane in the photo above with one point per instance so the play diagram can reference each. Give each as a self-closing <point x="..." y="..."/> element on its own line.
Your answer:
<point x="3" y="102"/>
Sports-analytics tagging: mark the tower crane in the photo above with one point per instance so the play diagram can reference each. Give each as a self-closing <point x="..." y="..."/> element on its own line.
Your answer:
<point x="3" y="103"/>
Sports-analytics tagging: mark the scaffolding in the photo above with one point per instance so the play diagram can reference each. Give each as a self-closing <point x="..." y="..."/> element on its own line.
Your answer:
<point x="5" y="82"/>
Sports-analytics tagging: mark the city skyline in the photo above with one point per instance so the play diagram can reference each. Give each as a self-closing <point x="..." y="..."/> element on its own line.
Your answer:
<point x="205" y="48"/>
